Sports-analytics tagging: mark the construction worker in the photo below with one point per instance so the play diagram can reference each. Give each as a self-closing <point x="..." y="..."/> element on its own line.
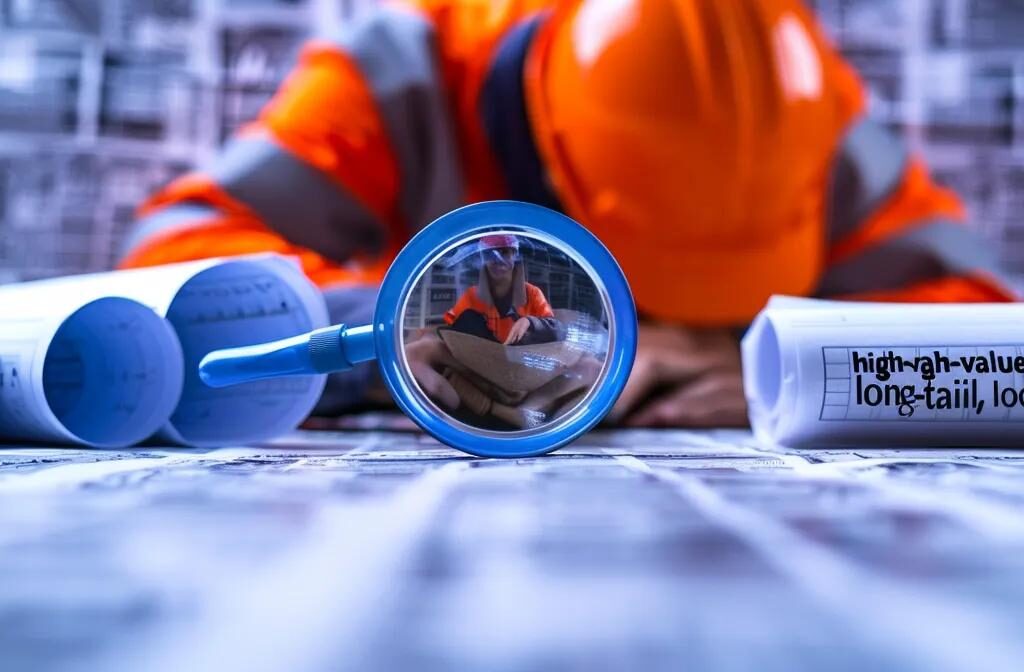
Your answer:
<point x="504" y="307"/>
<point x="720" y="150"/>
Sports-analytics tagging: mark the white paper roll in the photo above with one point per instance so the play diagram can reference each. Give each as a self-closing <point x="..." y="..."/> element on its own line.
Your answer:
<point x="191" y="308"/>
<point x="103" y="372"/>
<point x="841" y="373"/>
<point x="223" y="303"/>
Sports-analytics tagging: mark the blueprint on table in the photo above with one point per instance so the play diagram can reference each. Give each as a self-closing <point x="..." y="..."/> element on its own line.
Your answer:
<point x="382" y="550"/>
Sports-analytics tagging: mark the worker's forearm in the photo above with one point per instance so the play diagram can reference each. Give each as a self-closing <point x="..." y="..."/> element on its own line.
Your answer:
<point x="544" y="330"/>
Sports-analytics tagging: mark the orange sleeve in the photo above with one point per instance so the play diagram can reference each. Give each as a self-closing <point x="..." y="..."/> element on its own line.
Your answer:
<point x="325" y="115"/>
<point x="536" y="303"/>
<point x="464" y="303"/>
<point x="918" y="202"/>
<point x="915" y="202"/>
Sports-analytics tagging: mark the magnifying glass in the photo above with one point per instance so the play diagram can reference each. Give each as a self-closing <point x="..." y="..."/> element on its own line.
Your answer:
<point x="504" y="329"/>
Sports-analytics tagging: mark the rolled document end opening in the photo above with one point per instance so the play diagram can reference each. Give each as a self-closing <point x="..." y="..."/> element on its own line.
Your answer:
<point x="762" y="375"/>
<point x="768" y="374"/>
<point x="111" y="376"/>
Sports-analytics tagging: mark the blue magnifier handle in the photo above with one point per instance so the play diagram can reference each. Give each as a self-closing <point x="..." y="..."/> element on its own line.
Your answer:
<point x="334" y="348"/>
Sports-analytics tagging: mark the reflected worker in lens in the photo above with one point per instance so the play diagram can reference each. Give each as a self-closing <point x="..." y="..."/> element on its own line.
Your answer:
<point x="722" y="150"/>
<point x="490" y="386"/>
<point x="503" y="306"/>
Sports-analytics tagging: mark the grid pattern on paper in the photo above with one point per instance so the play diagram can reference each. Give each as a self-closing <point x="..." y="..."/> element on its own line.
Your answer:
<point x="837" y="399"/>
<point x="627" y="550"/>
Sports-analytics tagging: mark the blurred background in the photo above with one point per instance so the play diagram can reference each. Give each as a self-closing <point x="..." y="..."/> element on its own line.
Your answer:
<point x="101" y="101"/>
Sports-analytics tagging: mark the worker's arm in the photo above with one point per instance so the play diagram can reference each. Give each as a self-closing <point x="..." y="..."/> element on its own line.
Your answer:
<point x="353" y="153"/>
<point x="893" y="233"/>
<point x="542" y="325"/>
<point x="314" y="177"/>
<point x="683" y="377"/>
<point x="462" y="304"/>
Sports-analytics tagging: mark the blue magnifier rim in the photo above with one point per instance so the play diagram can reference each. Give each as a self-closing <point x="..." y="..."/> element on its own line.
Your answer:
<point x="455" y="226"/>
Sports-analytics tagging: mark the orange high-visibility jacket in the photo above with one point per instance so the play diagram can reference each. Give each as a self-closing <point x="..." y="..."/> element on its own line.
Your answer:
<point x="533" y="304"/>
<point x="412" y="111"/>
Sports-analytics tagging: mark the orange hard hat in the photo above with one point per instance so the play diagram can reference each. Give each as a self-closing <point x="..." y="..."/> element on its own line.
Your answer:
<point x="496" y="241"/>
<point x="694" y="137"/>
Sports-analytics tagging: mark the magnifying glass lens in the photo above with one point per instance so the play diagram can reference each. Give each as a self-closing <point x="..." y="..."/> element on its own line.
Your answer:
<point x="510" y="345"/>
<point x="504" y="329"/>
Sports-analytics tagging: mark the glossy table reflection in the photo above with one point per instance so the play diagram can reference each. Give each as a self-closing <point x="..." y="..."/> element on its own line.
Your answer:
<point x="381" y="550"/>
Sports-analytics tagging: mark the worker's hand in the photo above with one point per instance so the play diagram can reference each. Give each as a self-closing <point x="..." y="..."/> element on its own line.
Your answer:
<point x="519" y="330"/>
<point x="427" y="357"/>
<point x="683" y="377"/>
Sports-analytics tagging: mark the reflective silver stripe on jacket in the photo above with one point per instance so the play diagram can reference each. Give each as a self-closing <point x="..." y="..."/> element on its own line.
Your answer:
<point x="178" y="215"/>
<point x="936" y="250"/>
<point x="867" y="170"/>
<point x="298" y="201"/>
<point x="396" y="52"/>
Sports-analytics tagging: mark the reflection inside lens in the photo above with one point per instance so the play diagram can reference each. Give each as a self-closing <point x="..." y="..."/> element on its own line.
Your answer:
<point x="505" y="332"/>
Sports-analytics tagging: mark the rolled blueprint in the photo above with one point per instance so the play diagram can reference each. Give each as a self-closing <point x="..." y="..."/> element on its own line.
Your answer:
<point x="100" y="372"/>
<point x="826" y="373"/>
<point x="223" y="303"/>
<point x="197" y="307"/>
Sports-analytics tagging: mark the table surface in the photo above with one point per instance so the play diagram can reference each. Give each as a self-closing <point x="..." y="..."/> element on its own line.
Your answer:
<point x="630" y="550"/>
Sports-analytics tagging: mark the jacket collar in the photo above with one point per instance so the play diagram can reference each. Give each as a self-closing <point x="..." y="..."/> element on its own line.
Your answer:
<point x="502" y="109"/>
